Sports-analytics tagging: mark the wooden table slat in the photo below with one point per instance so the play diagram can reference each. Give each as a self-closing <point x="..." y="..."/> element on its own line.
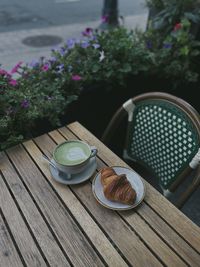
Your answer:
<point x="20" y="232"/>
<point x="93" y="231"/>
<point x="170" y="236"/>
<point x="127" y="241"/>
<point x="45" y="223"/>
<point x="8" y="252"/>
<point x="39" y="228"/>
<point x="187" y="229"/>
<point x="161" y="227"/>
<point x="157" y="245"/>
<point x="67" y="231"/>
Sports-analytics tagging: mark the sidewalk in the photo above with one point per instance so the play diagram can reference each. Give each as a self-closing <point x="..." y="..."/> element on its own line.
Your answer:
<point x="12" y="50"/>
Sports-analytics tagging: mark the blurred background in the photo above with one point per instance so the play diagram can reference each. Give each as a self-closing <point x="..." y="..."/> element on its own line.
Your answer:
<point x="29" y="29"/>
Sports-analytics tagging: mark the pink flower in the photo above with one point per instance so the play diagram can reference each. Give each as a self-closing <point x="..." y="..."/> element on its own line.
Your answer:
<point x="105" y="19"/>
<point x="45" y="67"/>
<point x="4" y="72"/>
<point x="16" y="67"/>
<point x="13" y="82"/>
<point x="177" y="27"/>
<point x="76" y="78"/>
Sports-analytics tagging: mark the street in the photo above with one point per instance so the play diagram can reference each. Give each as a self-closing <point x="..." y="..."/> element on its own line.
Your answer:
<point x="29" y="29"/>
<point x="23" y="14"/>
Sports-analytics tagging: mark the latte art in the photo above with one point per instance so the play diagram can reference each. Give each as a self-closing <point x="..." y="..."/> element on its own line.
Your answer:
<point x="76" y="153"/>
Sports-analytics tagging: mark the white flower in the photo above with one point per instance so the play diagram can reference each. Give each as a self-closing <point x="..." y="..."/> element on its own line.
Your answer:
<point x="102" y="56"/>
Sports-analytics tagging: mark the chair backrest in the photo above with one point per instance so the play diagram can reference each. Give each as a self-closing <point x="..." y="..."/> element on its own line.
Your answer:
<point x="163" y="134"/>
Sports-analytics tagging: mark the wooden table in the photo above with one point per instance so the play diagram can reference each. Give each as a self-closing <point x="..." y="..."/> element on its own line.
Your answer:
<point x="44" y="223"/>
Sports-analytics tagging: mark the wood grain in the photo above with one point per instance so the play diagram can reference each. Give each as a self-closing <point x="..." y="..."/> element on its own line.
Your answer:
<point x="187" y="229"/>
<point x="161" y="228"/>
<point x="126" y="240"/>
<point x="20" y="232"/>
<point x="65" y="228"/>
<point x="8" y="253"/>
<point x="92" y="230"/>
<point x="168" y="235"/>
<point x="38" y="226"/>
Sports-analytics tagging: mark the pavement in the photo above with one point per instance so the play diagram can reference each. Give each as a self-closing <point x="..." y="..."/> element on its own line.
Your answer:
<point x="12" y="50"/>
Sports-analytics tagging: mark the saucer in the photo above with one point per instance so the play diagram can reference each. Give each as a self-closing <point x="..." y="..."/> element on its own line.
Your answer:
<point x="76" y="178"/>
<point x="136" y="183"/>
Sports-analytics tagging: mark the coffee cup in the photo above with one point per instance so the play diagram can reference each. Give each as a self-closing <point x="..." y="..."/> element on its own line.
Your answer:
<point x="72" y="156"/>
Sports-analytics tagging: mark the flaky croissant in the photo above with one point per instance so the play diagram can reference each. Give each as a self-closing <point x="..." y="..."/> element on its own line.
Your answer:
<point x="117" y="187"/>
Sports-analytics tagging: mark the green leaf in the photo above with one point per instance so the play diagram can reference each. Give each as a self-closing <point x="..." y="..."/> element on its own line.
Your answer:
<point x="193" y="17"/>
<point x="126" y="68"/>
<point x="184" y="51"/>
<point x="95" y="68"/>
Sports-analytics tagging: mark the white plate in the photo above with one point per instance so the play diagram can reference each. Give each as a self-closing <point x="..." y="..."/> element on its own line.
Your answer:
<point x="133" y="178"/>
<point x="76" y="178"/>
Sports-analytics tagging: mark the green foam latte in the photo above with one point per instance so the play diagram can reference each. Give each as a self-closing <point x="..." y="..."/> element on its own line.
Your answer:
<point x="72" y="153"/>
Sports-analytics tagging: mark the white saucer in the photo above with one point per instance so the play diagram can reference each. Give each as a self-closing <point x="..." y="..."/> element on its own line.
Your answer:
<point x="133" y="178"/>
<point x="76" y="178"/>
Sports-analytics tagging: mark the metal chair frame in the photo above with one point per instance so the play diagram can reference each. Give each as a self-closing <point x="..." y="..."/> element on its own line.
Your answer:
<point x="128" y="109"/>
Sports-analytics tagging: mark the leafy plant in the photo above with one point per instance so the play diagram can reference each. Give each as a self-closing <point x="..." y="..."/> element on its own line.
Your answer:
<point x="33" y="96"/>
<point x="168" y="13"/>
<point x="177" y="53"/>
<point x="102" y="59"/>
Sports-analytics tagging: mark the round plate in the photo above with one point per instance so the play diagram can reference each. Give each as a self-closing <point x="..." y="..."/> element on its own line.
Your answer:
<point x="133" y="178"/>
<point x="76" y="178"/>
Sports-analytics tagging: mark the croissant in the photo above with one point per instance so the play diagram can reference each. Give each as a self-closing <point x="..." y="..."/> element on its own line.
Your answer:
<point x="117" y="187"/>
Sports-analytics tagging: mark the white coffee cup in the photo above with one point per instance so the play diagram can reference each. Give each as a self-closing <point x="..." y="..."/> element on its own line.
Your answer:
<point x="72" y="156"/>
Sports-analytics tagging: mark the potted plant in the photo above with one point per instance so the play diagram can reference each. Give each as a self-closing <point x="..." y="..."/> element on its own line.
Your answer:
<point x="163" y="14"/>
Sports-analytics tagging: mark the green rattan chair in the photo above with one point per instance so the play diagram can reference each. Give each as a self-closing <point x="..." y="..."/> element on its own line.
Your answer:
<point x="163" y="134"/>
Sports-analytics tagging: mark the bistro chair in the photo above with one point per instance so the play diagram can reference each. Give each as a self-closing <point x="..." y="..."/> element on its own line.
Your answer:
<point x="163" y="135"/>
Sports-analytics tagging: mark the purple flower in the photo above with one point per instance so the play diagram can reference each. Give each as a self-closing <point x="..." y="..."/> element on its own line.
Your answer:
<point x="149" y="44"/>
<point x="62" y="51"/>
<point x="105" y="19"/>
<point x="167" y="45"/>
<point x="16" y="67"/>
<point x="76" y="77"/>
<point x="53" y="59"/>
<point x="87" y="32"/>
<point x="71" y="43"/>
<point x="96" y="46"/>
<point x="34" y="63"/>
<point x="25" y="103"/>
<point x="85" y="44"/>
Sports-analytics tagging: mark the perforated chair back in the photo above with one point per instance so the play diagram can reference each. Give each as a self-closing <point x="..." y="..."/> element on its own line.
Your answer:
<point x="163" y="134"/>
